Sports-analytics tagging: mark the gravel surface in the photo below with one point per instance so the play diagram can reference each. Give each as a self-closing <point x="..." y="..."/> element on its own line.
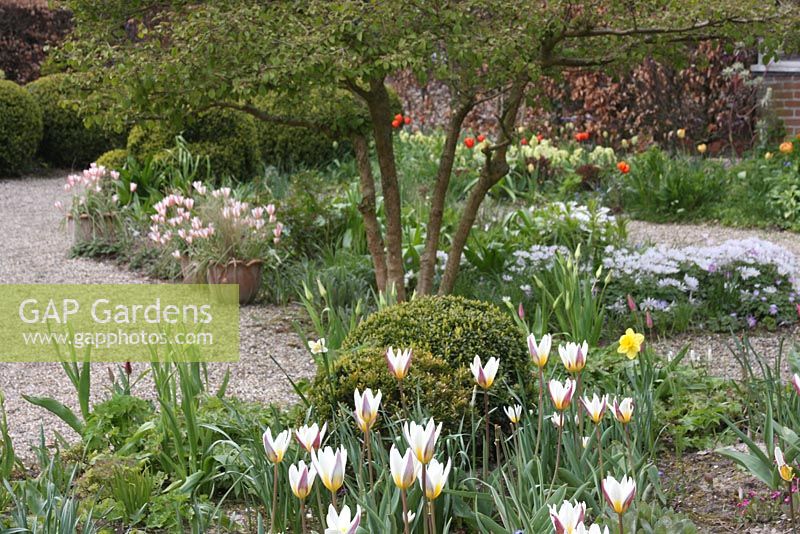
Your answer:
<point x="713" y="350"/>
<point x="704" y="234"/>
<point x="34" y="250"/>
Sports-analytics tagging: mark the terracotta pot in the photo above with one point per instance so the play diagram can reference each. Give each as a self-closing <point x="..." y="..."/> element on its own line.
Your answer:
<point x="191" y="272"/>
<point x="247" y="274"/>
<point x="86" y="229"/>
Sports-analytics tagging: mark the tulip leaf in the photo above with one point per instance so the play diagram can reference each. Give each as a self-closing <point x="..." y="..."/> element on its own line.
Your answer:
<point x="57" y="409"/>
<point x="757" y="467"/>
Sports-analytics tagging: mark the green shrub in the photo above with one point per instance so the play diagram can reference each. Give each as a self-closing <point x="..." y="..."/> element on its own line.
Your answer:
<point x="147" y="139"/>
<point x="114" y="421"/>
<point x="664" y="188"/>
<point x="443" y="391"/>
<point x="113" y="159"/>
<point x="288" y="147"/>
<point x="451" y="328"/>
<point x="228" y="138"/>
<point x="67" y="141"/>
<point x="20" y="128"/>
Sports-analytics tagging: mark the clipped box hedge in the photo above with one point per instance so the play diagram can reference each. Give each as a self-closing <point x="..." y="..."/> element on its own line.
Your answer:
<point x="21" y="128"/>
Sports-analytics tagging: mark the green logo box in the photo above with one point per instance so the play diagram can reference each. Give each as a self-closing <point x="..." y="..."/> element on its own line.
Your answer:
<point x="119" y="322"/>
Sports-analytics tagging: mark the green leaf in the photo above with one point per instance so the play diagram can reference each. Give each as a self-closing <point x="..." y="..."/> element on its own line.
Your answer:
<point x="754" y="465"/>
<point x="59" y="410"/>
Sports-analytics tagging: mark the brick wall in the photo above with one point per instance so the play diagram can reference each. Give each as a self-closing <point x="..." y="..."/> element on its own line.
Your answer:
<point x="785" y="98"/>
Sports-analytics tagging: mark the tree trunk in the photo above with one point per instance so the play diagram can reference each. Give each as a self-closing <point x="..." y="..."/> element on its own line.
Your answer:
<point x="367" y="207"/>
<point x="493" y="170"/>
<point x="380" y="112"/>
<point x="434" y="228"/>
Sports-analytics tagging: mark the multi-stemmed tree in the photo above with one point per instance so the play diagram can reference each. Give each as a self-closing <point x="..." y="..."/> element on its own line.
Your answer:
<point x="311" y="58"/>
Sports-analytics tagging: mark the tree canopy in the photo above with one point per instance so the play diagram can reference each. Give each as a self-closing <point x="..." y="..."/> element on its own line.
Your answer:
<point x="167" y="59"/>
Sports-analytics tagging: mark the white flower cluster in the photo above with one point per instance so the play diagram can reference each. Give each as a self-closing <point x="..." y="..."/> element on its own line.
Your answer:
<point x="537" y="257"/>
<point x="664" y="262"/>
<point x="598" y="219"/>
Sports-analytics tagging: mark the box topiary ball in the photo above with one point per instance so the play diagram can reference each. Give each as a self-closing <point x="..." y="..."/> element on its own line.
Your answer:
<point x="113" y="159"/>
<point x="441" y="390"/>
<point x="67" y="141"/>
<point x="228" y="138"/>
<point x="20" y="128"/>
<point x="452" y="328"/>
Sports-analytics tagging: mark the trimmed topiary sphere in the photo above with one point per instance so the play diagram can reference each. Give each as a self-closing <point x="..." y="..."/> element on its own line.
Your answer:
<point x="442" y="390"/>
<point x="288" y="147"/>
<point x="452" y="328"/>
<point x="20" y="128"/>
<point x="228" y="138"/>
<point x="113" y="159"/>
<point x="147" y="139"/>
<point x="67" y="141"/>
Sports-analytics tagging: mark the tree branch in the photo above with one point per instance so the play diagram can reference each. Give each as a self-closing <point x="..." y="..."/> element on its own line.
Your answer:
<point x="601" y="32"/>
<point x="278" y="119"/>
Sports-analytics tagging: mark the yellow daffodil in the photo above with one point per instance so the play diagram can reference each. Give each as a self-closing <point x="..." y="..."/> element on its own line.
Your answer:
<point x="681" y="133"/>
<point x="630" y="344"/>
<point x="702" y="147"/>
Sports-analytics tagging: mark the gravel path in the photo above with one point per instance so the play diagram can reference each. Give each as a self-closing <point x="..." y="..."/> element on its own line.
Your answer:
<point x="34" y="250"/>
<point x="712" y="350"/>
